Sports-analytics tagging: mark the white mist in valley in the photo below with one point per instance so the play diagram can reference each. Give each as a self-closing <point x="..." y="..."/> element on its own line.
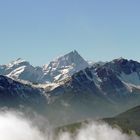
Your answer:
<point x="14" y="126"/>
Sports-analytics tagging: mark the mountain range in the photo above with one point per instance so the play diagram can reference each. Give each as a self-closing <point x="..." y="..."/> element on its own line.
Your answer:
<point x="57" y="69"/>
<point x="70" y="88"/>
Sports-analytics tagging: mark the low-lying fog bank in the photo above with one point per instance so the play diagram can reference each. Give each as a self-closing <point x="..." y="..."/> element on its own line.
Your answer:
<point x="15" y="126"/>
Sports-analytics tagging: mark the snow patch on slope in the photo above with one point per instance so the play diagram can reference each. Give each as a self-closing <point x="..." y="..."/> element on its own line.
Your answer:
<point x="132" y="78"/>
<point x="15" y="73"/>
<point x="64" y="66"/>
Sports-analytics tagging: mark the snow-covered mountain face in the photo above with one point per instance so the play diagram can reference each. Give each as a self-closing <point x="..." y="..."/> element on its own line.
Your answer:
<point x="21" y="70"/>
<point x="58" y="69"/>
<point x="6" y="69"/>
<point x="64" y="66"/>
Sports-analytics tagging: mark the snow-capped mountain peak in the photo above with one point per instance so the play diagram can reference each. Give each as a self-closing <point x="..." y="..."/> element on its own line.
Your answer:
<point x="16" y="63"/>
<point x="57" y="69"/>
<point x="64" y="66"/>
<point x="21" y="69"/>
<point x="72" y="58"/>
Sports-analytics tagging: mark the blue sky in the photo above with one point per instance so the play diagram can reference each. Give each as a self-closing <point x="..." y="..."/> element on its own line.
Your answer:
<point x="40" y="30"/>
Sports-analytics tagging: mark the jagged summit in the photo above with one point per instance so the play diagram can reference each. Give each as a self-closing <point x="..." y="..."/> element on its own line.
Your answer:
<point x="72" y="58"/>
<point x="64" y="66"/>
<point x="123" y="60"/>
<point x="119" y="60"/>
<point x="17" y="62"/>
